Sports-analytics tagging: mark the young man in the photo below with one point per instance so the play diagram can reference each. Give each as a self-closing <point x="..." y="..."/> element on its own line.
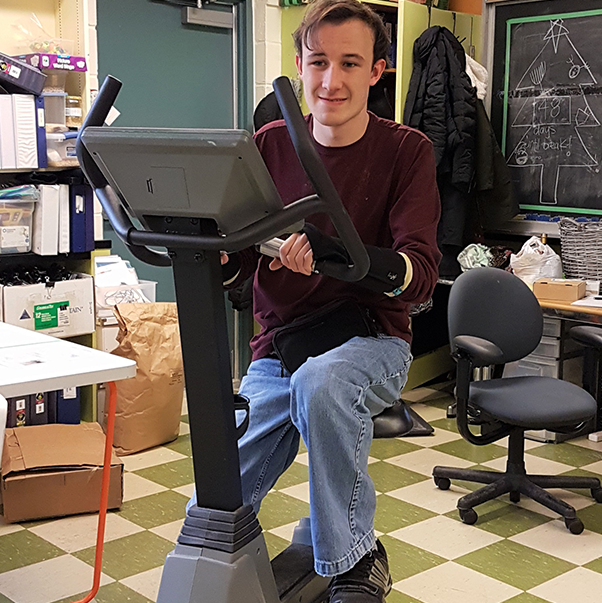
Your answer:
<point x="385" y="175"/>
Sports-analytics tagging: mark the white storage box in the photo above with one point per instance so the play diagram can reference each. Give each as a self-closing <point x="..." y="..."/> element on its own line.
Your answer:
<point x="107" y="330"/>
<point x="61" y="149"/>
<point x="65" y="309"/>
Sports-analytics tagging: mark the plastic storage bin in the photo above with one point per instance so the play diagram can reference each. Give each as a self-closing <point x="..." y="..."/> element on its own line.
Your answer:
<point x="552" y="327"/>
<point x="538" y="366"/>
<point x="55" y="80"/>
<point x="532" y="367"/>
<point x="54" y="109"/>
<point x="73" y="112"/>
<point x="548" y="347"/>
<point x="16" y="219"/>
<point x="61" y="149"/>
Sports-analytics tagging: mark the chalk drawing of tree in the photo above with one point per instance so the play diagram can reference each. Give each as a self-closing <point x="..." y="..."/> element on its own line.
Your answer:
<point x="553" y="110"/>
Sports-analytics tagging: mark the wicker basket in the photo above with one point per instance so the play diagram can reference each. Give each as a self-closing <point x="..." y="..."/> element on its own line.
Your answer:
<point x="581" y="249"/>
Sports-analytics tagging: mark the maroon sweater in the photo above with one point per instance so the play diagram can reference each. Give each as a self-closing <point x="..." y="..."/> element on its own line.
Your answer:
<point x="387" y="182"/>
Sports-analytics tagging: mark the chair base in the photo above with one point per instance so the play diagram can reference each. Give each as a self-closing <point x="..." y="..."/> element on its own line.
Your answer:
<point x="515" y="484"/>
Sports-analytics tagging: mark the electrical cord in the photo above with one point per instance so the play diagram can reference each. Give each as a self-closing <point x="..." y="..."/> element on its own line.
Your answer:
<point x="104" y="494"/>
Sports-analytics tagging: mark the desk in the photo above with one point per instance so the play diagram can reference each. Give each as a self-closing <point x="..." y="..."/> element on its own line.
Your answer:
<point x="565" y="311"/>
<point x="581" y="314"/>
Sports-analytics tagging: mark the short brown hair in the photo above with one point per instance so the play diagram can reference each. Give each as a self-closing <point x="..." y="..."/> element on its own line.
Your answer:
<point x="340" y="11"/>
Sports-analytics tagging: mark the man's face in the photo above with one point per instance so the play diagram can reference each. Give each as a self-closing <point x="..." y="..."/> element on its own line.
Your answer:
<point x="337" y="73"/>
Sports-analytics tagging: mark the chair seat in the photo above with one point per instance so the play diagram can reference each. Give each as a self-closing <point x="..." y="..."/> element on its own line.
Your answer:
<point x="533" y="402"/>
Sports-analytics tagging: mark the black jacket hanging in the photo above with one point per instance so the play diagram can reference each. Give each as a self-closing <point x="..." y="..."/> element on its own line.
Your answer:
<point x="496" y="202"/>
<point x="441" y="103"/>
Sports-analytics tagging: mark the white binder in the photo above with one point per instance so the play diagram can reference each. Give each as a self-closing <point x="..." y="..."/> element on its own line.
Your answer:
<point x="45" y="239"/>
<point x="64" y="231"/>
<point x="26" y="148"/>
<point x="8" y="159"/>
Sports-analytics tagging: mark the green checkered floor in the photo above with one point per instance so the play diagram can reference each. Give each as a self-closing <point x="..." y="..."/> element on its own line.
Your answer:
<point x="519" y="555"/>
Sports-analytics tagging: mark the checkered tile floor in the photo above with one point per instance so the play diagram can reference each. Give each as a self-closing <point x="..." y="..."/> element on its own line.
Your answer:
<point x="517" y="555"/>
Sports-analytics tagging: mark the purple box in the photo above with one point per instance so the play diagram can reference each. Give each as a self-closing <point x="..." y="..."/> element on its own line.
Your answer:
<point x="64" y="62"/>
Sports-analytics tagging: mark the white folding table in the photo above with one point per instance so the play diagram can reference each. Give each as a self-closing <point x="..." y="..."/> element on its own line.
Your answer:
<point x="31" y="362"/>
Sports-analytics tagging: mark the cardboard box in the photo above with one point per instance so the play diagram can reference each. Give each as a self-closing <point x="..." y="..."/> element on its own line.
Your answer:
<point x="64" y="309"/>
<point x="559" y="289"/>
<point x="56" y="470"/>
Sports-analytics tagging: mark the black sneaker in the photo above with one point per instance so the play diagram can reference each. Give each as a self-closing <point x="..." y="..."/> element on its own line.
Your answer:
<point x="369" y="581"/>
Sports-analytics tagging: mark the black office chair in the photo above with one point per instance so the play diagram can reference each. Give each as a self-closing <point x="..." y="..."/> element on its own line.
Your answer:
<point x="494" y="318"/>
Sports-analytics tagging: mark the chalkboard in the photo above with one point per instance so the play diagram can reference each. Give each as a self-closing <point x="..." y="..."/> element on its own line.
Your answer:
<point x="550" y="109"/>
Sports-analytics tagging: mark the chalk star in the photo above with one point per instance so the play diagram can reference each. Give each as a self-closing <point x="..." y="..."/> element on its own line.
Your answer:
<point x="556" y="30"/>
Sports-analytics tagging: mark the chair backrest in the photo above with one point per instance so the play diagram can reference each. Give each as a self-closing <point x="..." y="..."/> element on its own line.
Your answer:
<point x="496" y="305"/>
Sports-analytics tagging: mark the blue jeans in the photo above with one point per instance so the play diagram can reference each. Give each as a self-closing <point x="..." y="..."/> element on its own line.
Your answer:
<point x="329" y="401"/>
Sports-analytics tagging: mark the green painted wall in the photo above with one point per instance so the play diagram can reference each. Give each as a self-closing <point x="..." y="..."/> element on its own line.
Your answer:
<point x="174" y="75"/>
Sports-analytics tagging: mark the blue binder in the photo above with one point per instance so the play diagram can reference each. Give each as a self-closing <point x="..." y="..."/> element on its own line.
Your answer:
<point x="52" y="401"/>
<point x="81" y="208"/>
<point x="68" y="406"/>
<point x="41" y="132"/>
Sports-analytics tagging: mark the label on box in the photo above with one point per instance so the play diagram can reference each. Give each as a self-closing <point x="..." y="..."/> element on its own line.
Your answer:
<point x="70" y="393"/>
<point x="48" y="316"/>
<point x="20" y="404"/>
<point x="14" y="236"/>
<point x="14" y="71"/>
<point x="55" y="61"/>
<point x="39" y="408"/>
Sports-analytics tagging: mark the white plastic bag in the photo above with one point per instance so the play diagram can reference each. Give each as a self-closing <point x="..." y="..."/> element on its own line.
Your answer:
<point x="536" y="260"/>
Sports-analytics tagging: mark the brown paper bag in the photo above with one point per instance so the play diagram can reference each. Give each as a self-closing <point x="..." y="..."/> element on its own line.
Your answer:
<point x="149" y="405"/>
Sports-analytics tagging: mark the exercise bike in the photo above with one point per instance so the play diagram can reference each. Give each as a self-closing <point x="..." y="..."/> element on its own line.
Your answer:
<point x="198" y="192"/>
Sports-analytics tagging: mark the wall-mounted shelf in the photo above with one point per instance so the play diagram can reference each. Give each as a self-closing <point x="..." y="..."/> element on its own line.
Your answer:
<point x="48" y="169"/>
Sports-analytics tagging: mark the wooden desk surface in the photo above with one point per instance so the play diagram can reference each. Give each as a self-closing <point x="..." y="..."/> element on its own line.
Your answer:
<point x="567" y="311"/>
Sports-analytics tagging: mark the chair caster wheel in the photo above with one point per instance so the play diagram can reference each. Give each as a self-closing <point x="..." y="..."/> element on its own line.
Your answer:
<point x="514" y="497"/>
<point x="575" y="525"/>
<point x="468" y="516"/>
<point x="597" y="494"/>
<point x="442" y="483"/>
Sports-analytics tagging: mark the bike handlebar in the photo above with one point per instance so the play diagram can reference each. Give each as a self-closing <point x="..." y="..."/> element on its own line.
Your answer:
<point x="326" y="200"/>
